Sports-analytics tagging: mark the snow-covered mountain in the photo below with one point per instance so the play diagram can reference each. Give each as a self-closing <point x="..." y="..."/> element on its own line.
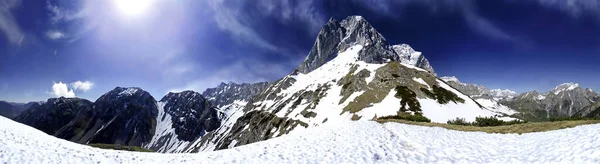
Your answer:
<point x="487" y="98"/>
<point x="182" y="117"/>
<point x="563" y="101"/>
<point x="346" y="142"/>
<point x="230" y="97"/>
<point x="351" y="73"/>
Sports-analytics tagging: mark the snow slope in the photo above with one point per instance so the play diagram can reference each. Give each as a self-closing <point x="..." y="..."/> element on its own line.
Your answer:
<point x="165" y="139"/>
<point x="350" y="142"/>
<point x="329" y="107"/>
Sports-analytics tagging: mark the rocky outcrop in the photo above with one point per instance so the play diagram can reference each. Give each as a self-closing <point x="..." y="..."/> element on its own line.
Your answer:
<point x="56" y="113"/>
<point x="192" y="115"/>
<point x="338" y="36"/>
<point x="227" y="93"/>
<point x="125" y="116"/>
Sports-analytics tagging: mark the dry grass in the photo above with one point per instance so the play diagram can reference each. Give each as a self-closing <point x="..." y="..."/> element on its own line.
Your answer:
<point x="517" y="128"/>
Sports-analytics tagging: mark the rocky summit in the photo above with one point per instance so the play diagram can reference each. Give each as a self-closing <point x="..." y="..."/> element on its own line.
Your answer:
<point x="338" y="36"/>
<point x="124" y="116"/>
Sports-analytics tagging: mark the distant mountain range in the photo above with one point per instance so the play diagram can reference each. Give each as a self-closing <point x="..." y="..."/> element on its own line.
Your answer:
<point x="351" y="73"/>
<point x="12" y="109"/>
<point x="565" y="100"/>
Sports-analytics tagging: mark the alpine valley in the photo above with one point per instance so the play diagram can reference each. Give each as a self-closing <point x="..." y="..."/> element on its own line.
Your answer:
<point x="351" y="73"/>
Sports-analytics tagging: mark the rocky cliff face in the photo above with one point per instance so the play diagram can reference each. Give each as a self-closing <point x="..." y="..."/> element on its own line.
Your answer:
<point x="125" y="116"/>
<point x="56" y="113"/>
<point x="231" y="96"/>
<point x="564" y="100"/>
<point x="183" y="117"/>
<point x="338" y="36"/>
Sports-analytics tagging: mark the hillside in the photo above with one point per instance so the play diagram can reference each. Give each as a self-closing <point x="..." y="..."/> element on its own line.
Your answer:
<point x="350" y="142"/>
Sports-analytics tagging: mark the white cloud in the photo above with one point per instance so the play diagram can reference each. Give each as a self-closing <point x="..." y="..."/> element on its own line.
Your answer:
<point x="8" y="23"/>
<point x="54" y="34"/>
<point x="61" y="90"/>
<point x="82" y="85"/>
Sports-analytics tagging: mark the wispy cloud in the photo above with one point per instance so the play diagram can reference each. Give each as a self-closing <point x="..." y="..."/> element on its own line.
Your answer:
<point x="55" y="34"/>
<point x="241" y="18"/>
<point x="476" y="22"/>
<point x="239" y="72"/>
<point x="8" y="23"/>
<point x="574" y="7"/>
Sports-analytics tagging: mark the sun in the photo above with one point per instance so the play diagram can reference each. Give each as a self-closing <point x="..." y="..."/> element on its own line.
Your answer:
<point x="133" y="7"/>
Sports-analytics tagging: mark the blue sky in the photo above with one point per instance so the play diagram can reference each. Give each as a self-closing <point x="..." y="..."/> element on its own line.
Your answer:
<point x="86" y="48"/>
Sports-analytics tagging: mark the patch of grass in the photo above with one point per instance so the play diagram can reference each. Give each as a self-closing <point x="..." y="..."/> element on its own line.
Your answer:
<point x="427" y="93"/>
<point x="516" y="128"/>
<point x="119" y="147"/>
<point x="406" y="116"/>
<point x="459" y="121"/>
<point x="444" y="96"/>
<point x="484" y="122"/>
<point x="409" y="98"/>
<point x="355" y="117"/>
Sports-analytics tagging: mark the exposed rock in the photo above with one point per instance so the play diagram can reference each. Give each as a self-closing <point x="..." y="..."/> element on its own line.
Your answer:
<point x="54" y="114"/>
<point x="124" y="116"/>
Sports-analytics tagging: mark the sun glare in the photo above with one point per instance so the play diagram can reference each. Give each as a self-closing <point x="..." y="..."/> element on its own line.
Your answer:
<point x="133" y="7"/>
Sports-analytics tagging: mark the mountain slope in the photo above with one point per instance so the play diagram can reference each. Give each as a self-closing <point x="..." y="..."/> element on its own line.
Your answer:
<point x="364" y="79"/>
<point x="9" y="110"/>
<point x="564" y="100"/>
<point x="229" y="97"/>
<point x="182" y="117"/>
<point x="488" y="98"/>
<point x="347" y="142"/>
<point x="125" y="116"/>
<point x="56" y="113"/>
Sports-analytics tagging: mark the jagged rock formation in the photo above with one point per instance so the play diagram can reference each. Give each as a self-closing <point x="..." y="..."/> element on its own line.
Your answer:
<point x="125" y="116"/>
<point x="589" y="111"/>
<point x="51" y="116"/>
<point x="564" y="100"/>
<point x="183" y="117"/>
<point x="337" y="37"/>
<point x="229" y="97"/>
<point x="351" y="73"/>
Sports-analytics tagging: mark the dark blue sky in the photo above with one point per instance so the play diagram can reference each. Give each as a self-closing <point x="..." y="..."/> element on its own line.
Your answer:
<point x="86" y="48"/>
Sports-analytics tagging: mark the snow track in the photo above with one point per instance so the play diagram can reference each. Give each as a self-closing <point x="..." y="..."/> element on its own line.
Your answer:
<point x="350" y="142"/>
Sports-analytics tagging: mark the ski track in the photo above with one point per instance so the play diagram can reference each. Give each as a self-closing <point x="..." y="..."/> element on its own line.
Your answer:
<point x="350" y="142"/>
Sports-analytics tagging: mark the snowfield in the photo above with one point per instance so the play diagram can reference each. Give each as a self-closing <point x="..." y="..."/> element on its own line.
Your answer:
<point x="350" y="142"/>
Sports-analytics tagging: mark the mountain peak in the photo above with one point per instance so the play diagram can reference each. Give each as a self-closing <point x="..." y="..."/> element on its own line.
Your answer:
<point x="336" y="37"/>
<point x="565" y="87"/>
